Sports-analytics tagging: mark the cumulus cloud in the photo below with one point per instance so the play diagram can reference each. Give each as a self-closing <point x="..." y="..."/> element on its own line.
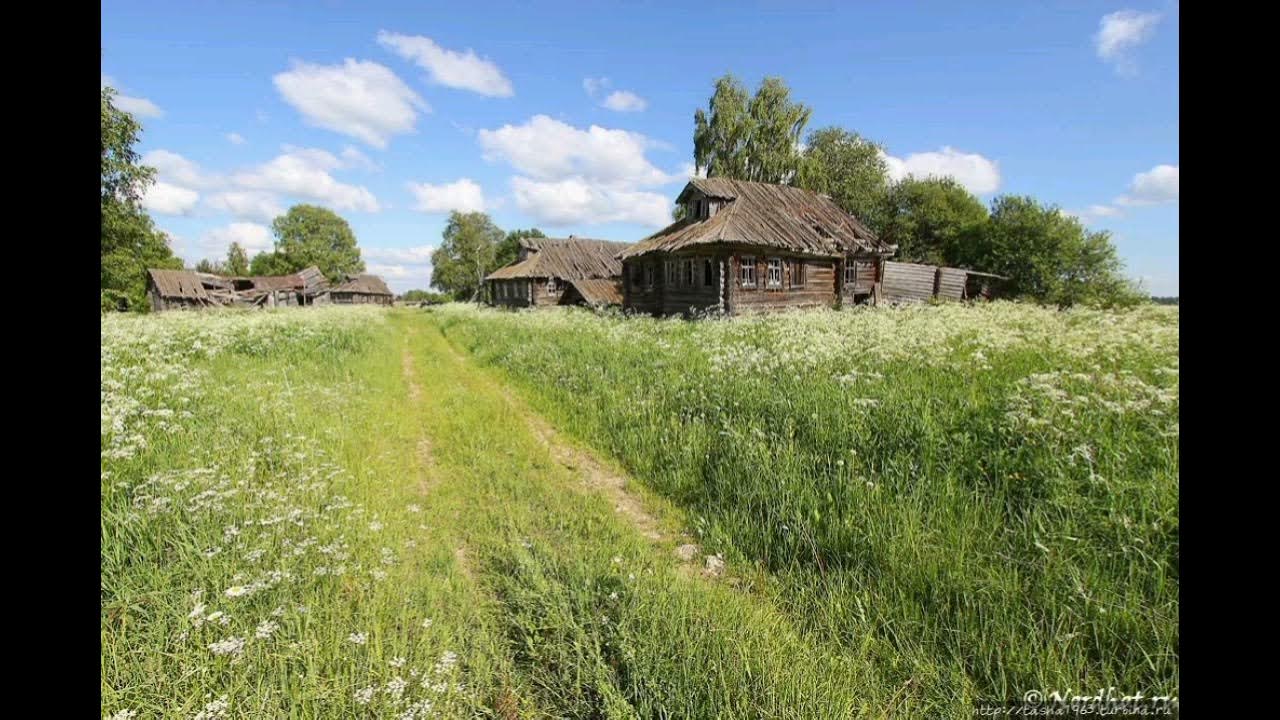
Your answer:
<point x="1157" y="186"/>
<point x="1119" y="33"/>
<point x="461" y="70"/>
<point x="618" y="100"/>
<point x="358" y="98"/>
<point x="625" y="101"/>
<point x="976" y="173"/>
<point x="254" y="238"/>
<point x="305" y="173"/>
<point x="248" y="204"/>
<point x="463" y="195"/>
<point x="166" y="199"/>
<point x="179" y="170"/>
<point x="547" y="149"/>
<point x="575" y="201"/>
<point x="136" y="106"/>
<point x="402" y="268"/>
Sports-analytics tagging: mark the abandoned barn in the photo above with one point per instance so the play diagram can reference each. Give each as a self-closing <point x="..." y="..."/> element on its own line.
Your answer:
<point x="747" y="246"/>
<point x="550" y="271"/>
<point x="361" y="289"/>
<point x="910" y="282"/>
<point x="184" y="289"/>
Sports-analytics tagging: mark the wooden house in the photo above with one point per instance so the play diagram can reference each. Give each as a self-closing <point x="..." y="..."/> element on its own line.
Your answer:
<point x="361" y="289"/>
<point x="748" y="246"/>
<point x="175" y="289"/>
<point x="912" y="282"/>
<point x="550" y="271"/>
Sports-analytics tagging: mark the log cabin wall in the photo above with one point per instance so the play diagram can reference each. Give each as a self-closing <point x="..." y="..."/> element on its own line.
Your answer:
<point x="805" y="283"/>
<point x="510" y="293"/>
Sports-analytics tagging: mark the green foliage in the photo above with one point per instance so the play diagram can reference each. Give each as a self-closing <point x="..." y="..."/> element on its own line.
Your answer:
<point x="851" y="170"/>
<point x="934" y="221"/>
<point x="130" y="242"/>
<point x="468" y="253"/>
<point x="750" y="137"/>
<point x="509" y="249"/>
<point x="311" y="235"/>
<point x="272" y="263"/>
<point x="1049" y="256"/>
<point x="237" y="260"/>
<point x="213" y="267"/>
<point x="426" y="296"/>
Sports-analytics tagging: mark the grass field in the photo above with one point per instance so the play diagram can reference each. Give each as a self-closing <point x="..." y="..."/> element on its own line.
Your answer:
<point x="353" y="512"/>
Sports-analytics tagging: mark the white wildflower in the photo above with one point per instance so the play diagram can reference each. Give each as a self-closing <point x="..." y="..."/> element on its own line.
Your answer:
<point x="358" y="638"/>
<point x="230" y="646"/>
<point x="265" y="628"/>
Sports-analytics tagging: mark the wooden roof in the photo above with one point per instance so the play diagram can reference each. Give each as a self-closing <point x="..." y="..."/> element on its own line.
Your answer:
<point x="568" y="259"/>
<point x="599" y="291"/>
<point x="766" y="215"/>
<point x="365" y="285"/>
<point x="178" y="284"/>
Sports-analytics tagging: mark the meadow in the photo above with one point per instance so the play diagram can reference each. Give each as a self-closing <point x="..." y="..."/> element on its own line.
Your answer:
<point x="350" y="512"/>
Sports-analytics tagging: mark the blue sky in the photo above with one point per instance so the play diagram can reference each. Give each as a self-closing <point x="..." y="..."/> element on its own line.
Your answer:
<point x="577" y="118"/>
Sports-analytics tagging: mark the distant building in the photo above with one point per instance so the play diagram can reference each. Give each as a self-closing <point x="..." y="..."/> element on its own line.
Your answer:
<point x="748" y="246"/>
<point x="550" y="271"/>
<point x="361" y="289"/>
<point x="184" y="289"/>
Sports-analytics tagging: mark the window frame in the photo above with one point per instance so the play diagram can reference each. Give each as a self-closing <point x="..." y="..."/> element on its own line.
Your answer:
<point x="689" y="279"/>
<point x="747" y="272"/>
<point x="799" y="272"/>
<point x="773" y="265"/>
<point x="649" y="275"/>
<point x="708" y="273"/>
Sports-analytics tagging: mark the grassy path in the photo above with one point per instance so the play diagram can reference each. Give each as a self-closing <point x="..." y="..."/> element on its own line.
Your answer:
<point x="606" y="606"/>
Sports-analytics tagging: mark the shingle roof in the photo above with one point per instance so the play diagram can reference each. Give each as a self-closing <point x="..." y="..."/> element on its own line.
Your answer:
<point x="365" y="284"/>
<point x="178" y="284"/>
<point x="599" y="291"/>
<point x="567" y="259"/>
<point x="768" y="215"/>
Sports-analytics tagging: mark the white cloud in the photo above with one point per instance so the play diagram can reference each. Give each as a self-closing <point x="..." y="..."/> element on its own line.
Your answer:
<point x="575" y="201"/>
<point x="976" y="173"/>
<point x="1157" y="186"/>
<point x="179" y="170"/>
<point x="417" y="255"/>
<point x="304" y="173"/>
<point x="254" y="238"/>
<point x="595" y="85"/>
<point x="353" y="158"/>
<point x="463" y="195"/>
<point x="402" y="268"/>
<point x="464" y="71"/>
<point x="1122" y="31"/>
<point x="358" y="98"/>
<point x="236" y="138"/>
<point x="548" y="149"/>
<point x="166" y="199"/>
<point x="248" y="204"/>
<point x="618" y="100"/>
<point x="625" y="101"/>
<point x="136" y="106"/>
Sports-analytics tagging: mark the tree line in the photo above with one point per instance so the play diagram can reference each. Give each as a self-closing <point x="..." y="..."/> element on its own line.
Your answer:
<point x="1047" y="255"/>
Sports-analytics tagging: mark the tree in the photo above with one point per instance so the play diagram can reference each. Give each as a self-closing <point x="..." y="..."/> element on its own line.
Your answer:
<point x="237" y="260"/>
<point x="428" y="297"/>
<point x="311" y="235"/>
<point x="130" y="242"/>
<point x="934" y="221"/>
<point x="750" y="138"/>
<point x="212" y="267"/>
<point x="851" y="170"/>
<point x="509" y="249"/>
<point x="468" y="253"/>
<point x="271" y="263"/>
<point x="1049" y="256"/>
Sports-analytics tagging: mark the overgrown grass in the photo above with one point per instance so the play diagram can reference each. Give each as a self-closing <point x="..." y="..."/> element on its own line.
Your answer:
<point x="977" y="501"/>
<point x="920" y="508"/>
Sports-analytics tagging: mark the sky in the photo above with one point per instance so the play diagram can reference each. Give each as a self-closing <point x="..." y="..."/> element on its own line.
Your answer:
<point x="577" y="118"/>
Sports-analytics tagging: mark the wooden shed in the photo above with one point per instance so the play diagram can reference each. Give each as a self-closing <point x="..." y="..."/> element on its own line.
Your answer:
<point x="748" y="246"/>
<point x="361" y="289"/>
<point x="177" y="290"/>
<point x="911" y="282"/>
<point x="552" y="271"/>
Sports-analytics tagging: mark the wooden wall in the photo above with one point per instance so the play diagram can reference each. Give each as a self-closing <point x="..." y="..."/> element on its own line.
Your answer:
<point x="671" y="298"/>
<point x="910" y="282"/>
<point x="726" y="290"/>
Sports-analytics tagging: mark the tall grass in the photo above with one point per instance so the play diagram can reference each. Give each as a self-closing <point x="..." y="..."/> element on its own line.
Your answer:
<point x="979" y="500"/>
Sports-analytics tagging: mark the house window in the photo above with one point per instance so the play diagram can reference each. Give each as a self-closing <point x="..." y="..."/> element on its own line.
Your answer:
<point x="553" y="286"/>
<point x="648" y="274"/>
<point x="851" y="274"/>
<point x="688" y="273"/>
<point x="708" y="273"/>
<point x="774" y="279"/>
<point x="797" y="273"/>
<point x="673" y="273"/>
<point x="747" y="272"/>
<point x="636" y="274"/>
